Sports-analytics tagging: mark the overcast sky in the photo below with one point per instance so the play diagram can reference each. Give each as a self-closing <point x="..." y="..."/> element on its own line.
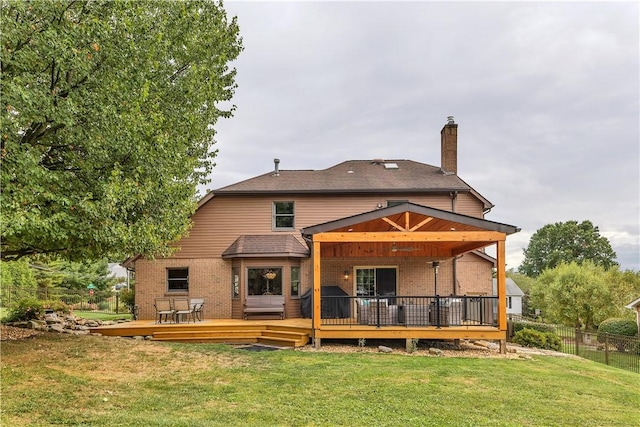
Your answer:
<point x="546" y="96"/>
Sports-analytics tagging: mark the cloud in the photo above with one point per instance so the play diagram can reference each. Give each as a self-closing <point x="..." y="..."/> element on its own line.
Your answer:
<point x="546" y="96"/>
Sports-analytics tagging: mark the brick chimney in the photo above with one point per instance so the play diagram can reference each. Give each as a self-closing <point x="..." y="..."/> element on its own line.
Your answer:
<point x="449" y="147"/>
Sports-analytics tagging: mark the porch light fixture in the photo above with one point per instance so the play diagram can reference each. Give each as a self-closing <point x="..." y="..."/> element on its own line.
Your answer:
<point x="346" y="275"/>
<point x="435" y="265"/>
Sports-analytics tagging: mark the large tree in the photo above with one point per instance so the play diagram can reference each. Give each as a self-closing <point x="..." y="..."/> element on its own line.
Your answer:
<point x="575" y="295"/>
<point x="566" y="242"/>
<point x="108" y="121"/>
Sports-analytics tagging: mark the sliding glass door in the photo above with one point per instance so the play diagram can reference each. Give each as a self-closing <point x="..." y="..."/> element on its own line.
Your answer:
<point x="376" y="281"/>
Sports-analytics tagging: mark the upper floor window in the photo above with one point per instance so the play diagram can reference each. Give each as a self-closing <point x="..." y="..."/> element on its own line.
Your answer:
<point x="177" y="279"/>
<point x="283" y="217"/>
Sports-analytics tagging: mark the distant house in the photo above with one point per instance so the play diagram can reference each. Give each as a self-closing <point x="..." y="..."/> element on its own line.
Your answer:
<point x="635" y="305"/>
<point x="514" y="296"/>
<point x="401" y="242"/>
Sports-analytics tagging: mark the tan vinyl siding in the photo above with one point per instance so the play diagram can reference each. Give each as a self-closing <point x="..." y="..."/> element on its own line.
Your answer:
<point x="467" y="204"/>
<point x="218" y="224"/>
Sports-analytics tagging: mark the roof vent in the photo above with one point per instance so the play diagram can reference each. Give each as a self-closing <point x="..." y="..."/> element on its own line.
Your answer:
<point x="377" y="161"/>
<point x="276" y="168"/>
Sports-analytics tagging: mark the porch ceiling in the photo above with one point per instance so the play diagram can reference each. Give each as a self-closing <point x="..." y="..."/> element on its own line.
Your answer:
<point x="406" y="230"/>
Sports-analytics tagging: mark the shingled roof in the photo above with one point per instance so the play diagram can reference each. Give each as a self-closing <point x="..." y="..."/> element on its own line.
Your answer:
<point x="358" y="176"/>
<point x="283" y="245"/>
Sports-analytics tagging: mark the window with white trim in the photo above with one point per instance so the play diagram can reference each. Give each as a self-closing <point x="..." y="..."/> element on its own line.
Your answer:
<point x="283" y="216"/>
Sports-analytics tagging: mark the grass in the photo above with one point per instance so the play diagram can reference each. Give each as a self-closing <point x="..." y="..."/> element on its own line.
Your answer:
<point x="97" y="381"/>
<point x="96" y="315"/>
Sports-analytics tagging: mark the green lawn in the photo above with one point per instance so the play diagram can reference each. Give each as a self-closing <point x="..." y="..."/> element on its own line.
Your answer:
<point x="98" y="381"/>
<point x="96" y="315"/>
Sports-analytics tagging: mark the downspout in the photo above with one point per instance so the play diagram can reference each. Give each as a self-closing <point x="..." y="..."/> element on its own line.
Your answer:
<point x="455" y="274"/>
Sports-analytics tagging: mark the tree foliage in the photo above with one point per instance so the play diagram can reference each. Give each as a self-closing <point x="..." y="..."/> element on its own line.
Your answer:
<point x="56" y="272"/>
<point x="575" y="295"/>
<point x="108" y="121"/>
<point x="17" y="274"/>
<point x="566" y="242"/>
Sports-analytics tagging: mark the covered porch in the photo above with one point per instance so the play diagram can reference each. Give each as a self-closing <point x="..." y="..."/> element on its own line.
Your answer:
<point x="413" y="238"/>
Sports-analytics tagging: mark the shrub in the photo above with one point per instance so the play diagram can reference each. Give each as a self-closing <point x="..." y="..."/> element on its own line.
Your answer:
<point x="57" y="306"/>
<point x="530" y="338"/>
<point x="25" y="309"/>
<point x="519" y="325"/>
<point x="128" y="299"/>
<point x="32" y="308"/>
<point x="534" y="338"/>
<point x="618" y="326"/>
<point x="554" y="342"/>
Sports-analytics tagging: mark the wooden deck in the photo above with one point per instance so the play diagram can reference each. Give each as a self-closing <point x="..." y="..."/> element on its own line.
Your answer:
<point x="288" y="332"/>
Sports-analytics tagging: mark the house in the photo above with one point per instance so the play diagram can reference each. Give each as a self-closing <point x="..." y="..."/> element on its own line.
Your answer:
<point x="514" y="296"/>
<point x="635" y="305"/>
<point x="399" y="243"/>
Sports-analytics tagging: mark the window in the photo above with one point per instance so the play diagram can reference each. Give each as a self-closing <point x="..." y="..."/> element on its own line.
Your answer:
<point x="177" y="279"/>
<point x="264" y="281"/>
<point x="372" y="281"/>
<point x="295" y="281"/>
<point x="283" y="216"/>
<point x="509" y="303"/>
<point x="395" y="202"/>
<point x="235" y="282"/>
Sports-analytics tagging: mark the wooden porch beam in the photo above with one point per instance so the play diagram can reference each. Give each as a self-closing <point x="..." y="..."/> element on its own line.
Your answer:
<point x="393" y="224"/>
<point x="416" y="236"/>
<point x="423" y="222"/>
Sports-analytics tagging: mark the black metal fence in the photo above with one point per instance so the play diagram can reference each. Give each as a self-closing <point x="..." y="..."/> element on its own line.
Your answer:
<point x="77" y="300"/>
<point x="408" y="311"/>
<point x="615" y="350"/>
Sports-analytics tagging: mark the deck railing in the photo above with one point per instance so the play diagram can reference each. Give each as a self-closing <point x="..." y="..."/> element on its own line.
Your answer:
<point x="409" y="311"/>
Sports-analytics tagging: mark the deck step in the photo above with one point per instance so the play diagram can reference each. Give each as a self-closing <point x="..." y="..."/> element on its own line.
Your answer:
<point x="270" y="336"/>
<point x="280" y="342"/>
<point x="207" y="334"/>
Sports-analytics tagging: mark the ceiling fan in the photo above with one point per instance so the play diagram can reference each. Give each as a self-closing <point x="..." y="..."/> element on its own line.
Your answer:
<point x="395" y="248"/>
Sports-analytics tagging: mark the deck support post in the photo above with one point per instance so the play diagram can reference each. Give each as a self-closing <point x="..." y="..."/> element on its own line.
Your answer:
<point x="316" y="312"/>
<point x="503" y="346"/>
<point x="316" y="343"/>
<point x="501" y="278"/>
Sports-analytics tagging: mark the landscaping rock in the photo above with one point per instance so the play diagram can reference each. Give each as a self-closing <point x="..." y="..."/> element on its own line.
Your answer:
<point x="493" y="346"/>
<point x="384" y="349"/>
<point x="436" y="351"/>
<point x="57" y="327"/>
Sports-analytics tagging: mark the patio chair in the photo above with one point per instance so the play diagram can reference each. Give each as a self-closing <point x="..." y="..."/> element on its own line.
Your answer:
<point x="196" y="308"/>
<point x="163" y="308"/>
<point x="181" y="307"/>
